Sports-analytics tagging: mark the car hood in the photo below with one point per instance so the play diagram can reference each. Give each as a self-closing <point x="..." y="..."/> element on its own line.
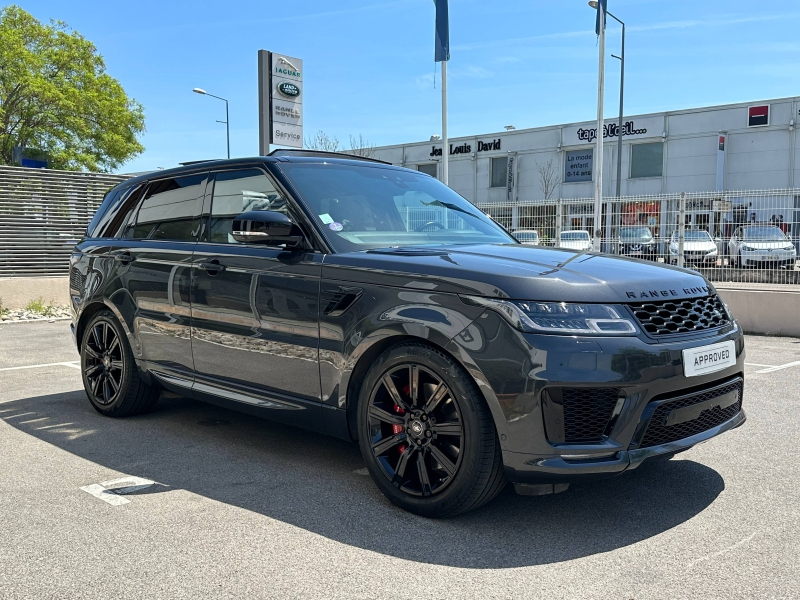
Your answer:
<point x="766" y="245"/>
<point x="516" y="272"/>
<point x="630" y="242"/>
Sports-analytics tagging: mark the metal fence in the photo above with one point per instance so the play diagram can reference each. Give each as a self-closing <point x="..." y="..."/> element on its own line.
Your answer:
<point x="42" y="214"/>
<point x="742" y="236"/>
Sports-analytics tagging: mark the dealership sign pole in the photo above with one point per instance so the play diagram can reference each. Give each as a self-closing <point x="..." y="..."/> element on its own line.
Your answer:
<point x="442" y="55"/>
<point x="280" y="101"/>
<point x="600" y="28"/>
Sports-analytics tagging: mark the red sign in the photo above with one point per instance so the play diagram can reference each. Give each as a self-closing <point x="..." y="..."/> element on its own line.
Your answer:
<point x="758" y="116"/>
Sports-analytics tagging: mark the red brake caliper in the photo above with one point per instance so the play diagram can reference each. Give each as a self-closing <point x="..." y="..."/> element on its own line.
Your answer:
<point x="399" y="428"/>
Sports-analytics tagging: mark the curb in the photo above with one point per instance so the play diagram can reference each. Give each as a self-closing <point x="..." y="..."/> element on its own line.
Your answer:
<point x="42" y="320"/>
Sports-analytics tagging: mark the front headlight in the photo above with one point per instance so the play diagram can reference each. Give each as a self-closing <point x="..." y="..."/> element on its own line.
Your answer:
<point x="673" y="250"/>
<point x="789" y="247"/>
<point x="712" y="252"/>
<point x="748" y="249"/>
<point x="559" y="317"/>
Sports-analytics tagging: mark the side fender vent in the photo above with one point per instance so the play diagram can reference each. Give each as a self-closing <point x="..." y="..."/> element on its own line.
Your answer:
<point x="337" y="301"/>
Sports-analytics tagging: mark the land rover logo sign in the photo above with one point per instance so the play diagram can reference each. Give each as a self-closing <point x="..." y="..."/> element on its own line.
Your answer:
<point x="289" y="90"/>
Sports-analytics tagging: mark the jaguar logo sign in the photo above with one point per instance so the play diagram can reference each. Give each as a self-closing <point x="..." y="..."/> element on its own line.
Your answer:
<point x="289" y="90"/>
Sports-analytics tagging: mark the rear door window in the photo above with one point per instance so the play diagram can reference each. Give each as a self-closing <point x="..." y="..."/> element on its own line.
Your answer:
<point x="171" y="210"/>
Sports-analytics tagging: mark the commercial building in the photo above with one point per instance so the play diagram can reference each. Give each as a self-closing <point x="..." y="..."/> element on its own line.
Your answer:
<point x="744" y="146"/>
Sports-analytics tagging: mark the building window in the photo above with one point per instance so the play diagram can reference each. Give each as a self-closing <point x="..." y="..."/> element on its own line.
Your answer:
<point x="647" y="160"/>
<point x="428" y="169"/>
<point x="499" y="171"/>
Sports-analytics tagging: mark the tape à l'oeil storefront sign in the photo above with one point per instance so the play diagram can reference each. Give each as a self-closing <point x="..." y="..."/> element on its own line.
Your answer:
<point x="586" y="133"/>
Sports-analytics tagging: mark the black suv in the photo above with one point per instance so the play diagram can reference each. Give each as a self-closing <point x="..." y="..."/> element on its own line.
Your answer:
<point x="637" y="241"/>
<point x="373" y="303"/>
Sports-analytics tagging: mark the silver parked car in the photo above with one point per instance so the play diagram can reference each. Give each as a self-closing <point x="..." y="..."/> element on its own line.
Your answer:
<point x="529" y="237"/>
<point x="761" y="244"/>
<point x="698" y="248"/>
<point x="575" y="240"/>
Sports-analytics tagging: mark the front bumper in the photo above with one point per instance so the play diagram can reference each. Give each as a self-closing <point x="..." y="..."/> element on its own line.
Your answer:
<point x="526" y="468"/>
<point x="519" y="371"/>
<point x="766" y="257"/>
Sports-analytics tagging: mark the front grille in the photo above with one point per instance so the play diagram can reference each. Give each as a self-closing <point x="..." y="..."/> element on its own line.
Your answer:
<point x="587" y="413"/>
<point x="680" y="316"/>
<point x="658" y="432"/>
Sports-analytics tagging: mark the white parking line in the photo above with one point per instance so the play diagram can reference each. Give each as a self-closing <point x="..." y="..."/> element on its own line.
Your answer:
<point x="98" y="491"/>
<point x="75" y="364"/>
<point x="110" y="491"/>
<point x="778" y="368"/>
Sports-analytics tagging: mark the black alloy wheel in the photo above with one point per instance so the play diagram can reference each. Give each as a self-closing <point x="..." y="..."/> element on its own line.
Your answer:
<point x="426" y="433"/>
<point x="416" y="432"/>
<point x="103" y="366"/>
<point x="110" y="376"/>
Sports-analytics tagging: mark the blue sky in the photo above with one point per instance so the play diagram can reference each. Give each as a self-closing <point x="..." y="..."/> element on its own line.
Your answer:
<point x="369" y="64"/>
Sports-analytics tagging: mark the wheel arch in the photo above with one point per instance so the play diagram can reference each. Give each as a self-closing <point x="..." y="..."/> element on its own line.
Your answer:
<point x="92" y="309"/>
<point x="370" y="355"/>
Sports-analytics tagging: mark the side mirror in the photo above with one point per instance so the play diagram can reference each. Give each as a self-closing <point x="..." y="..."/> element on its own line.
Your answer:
<point x="266" y="227"/>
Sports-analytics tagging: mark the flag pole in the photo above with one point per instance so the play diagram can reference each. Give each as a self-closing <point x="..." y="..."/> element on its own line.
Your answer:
<point x="598" y="159"/>
<point x="445" y="145"/>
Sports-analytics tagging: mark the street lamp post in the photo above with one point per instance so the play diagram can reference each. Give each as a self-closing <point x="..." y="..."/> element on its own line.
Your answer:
<point x="621" y="59"/>
<point x="227" y="119"/>
<point x="598" y="159"/>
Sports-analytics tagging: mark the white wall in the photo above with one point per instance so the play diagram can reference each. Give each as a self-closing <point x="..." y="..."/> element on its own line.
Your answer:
<point x="759" y="157"/>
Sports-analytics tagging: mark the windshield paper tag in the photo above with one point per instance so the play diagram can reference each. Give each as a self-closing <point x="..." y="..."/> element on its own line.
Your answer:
<point x="336" y="226"/>
<point x="326" y="219"/>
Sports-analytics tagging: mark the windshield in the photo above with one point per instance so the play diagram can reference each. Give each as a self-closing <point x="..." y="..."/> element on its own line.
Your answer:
<point x="763" y="234"/>
<point x="574" y="236"/>
<point x="527" y="236"/>
<point x="693" y="236"/>
<point x="635" y="233"/>
<point x="363" y="207"/>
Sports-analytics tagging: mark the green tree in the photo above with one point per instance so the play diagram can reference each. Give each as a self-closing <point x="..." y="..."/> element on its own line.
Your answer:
<point x="55" y="96"/>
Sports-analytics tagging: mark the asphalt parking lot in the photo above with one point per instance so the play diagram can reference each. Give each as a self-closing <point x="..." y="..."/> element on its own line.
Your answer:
<point x="242" y="507"/>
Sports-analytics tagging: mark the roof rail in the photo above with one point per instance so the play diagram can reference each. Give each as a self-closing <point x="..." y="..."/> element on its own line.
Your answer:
<point x="322" y="153"/>
<point x="197" y="162"/>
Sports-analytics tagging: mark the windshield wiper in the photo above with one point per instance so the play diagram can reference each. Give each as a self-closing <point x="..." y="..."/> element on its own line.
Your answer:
<point x="450" y="206"/>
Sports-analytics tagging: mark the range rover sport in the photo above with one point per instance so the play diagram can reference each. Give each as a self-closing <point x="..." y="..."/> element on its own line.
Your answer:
<point x="373" y="303"/>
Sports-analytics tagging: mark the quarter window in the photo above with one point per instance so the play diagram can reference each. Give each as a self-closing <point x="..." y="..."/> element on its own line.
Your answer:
<point x="171" y="210"/>
<point x="236" y="192"/>
<point x="647" y="160"/>
<point x="499" y="171"/>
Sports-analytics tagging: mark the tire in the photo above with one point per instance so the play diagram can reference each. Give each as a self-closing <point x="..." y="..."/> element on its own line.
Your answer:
<point x="110" y="375"/>
<point x="438" y="456"/>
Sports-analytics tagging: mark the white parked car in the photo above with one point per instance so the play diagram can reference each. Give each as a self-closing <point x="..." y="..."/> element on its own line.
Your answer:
<point x="575" y="240"/>
<point x="698" y="248"/>
<point x="761" y="244"/>
<point x="529" y="237"/>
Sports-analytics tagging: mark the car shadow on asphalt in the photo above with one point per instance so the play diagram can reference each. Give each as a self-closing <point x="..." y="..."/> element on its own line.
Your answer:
<point x="309" y="481"/>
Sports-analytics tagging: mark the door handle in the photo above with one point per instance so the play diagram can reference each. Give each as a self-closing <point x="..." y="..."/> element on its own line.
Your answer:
<point x="211" y="267"/>
<point x="124" y="257"/>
